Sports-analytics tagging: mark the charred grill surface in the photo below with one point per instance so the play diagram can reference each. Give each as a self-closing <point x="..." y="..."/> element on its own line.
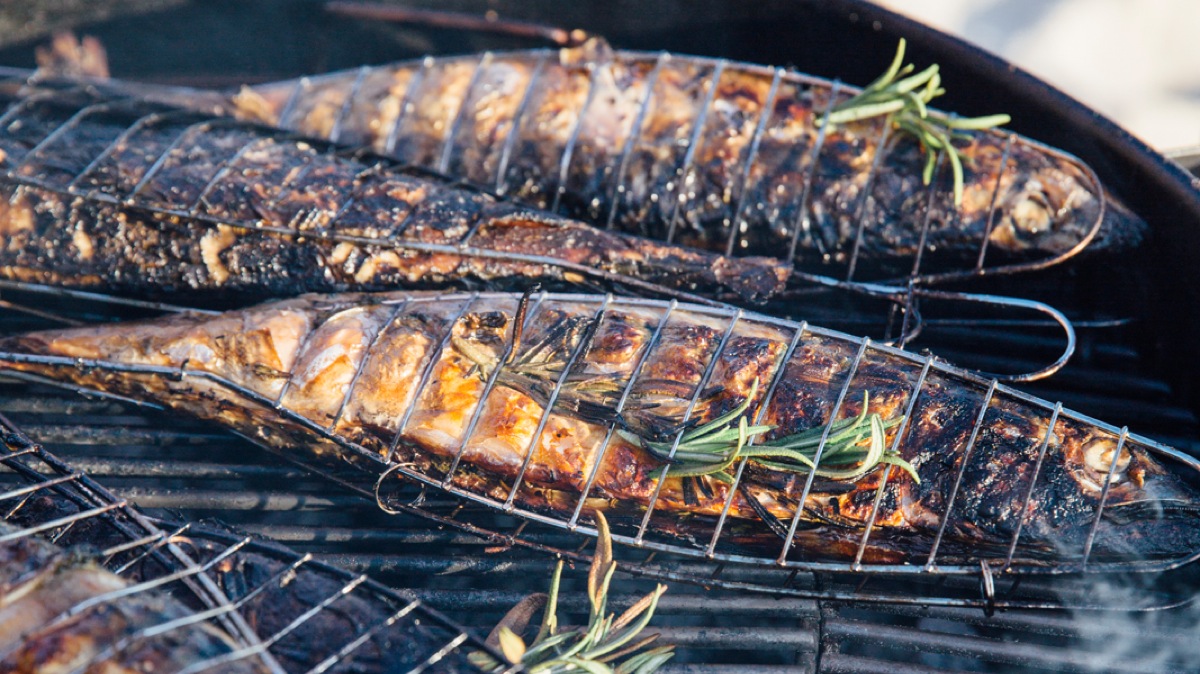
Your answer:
<point x="148" y="200"/>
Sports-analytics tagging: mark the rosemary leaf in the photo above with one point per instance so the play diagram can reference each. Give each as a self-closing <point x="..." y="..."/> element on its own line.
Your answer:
<point x="861" y="112"/>
<point x="647" y="662"/>
<point x="550" y="616"/>
<point x="589" y="666"/>
<point x="903" y="100"/>
<point x="547" y="648"/>
<point x="906" y="85"/>
<point x="604" y="640"/>
<point x="893" y="71"/>
<point x="643" y="610"/>
<point x="511" y="645"/>
<point x="897" y="460"/>
<point x="977" y="123"/>
<point x="630" y="648"/>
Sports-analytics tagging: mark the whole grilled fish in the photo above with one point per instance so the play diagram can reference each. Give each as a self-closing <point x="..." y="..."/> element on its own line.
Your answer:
<point x="40" y="585"/>
<point x="274" y="589"/>
<point x="100" y="190"/>
<point x="729" y="157"/>
<point x="700" y="424"/>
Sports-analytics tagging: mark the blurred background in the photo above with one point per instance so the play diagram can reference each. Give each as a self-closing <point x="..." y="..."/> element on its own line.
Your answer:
<point x="1135" y="61"/>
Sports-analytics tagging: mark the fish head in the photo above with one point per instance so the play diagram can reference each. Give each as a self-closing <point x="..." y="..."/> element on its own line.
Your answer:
<point x="1151" y="507"/>
<point x="1052" y="205"/>
<point x="1050" y="209"/>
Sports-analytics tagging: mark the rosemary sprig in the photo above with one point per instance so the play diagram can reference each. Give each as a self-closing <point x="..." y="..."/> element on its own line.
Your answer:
<point x="903" y="97"/>
<point x="853" y="447"/>
<point x="593" y="649"/>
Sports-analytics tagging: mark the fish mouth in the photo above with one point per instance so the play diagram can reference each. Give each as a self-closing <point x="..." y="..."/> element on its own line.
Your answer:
<point x="1149" y="510"/>
<point x="1149" y="529"/>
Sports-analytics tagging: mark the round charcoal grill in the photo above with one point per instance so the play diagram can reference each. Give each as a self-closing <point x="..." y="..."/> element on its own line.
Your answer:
<point x="1134" y="365"/>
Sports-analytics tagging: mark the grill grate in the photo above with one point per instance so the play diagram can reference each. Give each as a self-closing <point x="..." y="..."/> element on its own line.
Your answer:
<point x="272" y="600"/>
<point x="475" y="580"/>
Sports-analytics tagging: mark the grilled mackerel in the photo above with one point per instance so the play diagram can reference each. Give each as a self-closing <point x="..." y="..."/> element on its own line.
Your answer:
<point x="41" y="584"/>
<point x="100" y="190"/>
<point x="274" y="589"/>
<point x="728" y="157"/>
<point x="563" y="405"/>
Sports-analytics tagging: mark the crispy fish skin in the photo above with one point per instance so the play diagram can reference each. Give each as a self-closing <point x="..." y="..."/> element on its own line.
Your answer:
<point x="371" y="369"/>
<point x="704" y="153"/>
<point x="40" y="582"/>
<point x="144" y="199"/>
<point x="273" y="592"/>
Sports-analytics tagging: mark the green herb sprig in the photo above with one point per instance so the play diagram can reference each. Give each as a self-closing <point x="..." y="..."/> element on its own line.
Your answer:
<point x="904" y="97"/>
<point x="594" y="649"/>
<point x="853" y="447"/>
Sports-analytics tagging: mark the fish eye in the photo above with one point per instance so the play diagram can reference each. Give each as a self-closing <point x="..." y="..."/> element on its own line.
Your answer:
<point x="1098" y="457"/>
<point x="1033" y="214"/>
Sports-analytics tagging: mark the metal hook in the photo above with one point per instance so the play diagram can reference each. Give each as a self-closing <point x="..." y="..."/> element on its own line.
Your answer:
<point x="987" y="588"/>
<point x="1018" y="303"/>
<point x="377" y="491"/>
<point x="904" y="296"/>
<point x="489" y="23"/>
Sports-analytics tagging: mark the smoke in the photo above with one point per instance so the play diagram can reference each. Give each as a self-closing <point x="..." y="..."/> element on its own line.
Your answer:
<point x="1151" y="641"/>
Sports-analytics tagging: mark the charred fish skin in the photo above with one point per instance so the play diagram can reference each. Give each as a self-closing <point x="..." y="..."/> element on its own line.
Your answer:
<point x="417" y="379"/>
<point x="41" y="582"/>
<point x="274" y="591"/>
<point x="729" y="157"/>
<point x="146" y="199"/>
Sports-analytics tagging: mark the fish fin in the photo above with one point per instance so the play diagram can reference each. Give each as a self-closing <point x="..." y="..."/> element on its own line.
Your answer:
<point x="71" y="58"/>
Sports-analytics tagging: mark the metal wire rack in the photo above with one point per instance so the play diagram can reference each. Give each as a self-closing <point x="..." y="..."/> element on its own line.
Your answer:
<point x="349" y="94"/>
<point x="285" y="610"/>
<point x="59" y="112"/>
<point x="66" y="139"/>
<point x="773" y="572"/>
<point x="163" y="462"/>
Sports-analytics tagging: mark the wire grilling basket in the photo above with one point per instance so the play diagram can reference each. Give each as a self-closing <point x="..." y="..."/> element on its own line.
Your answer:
<point x="72" y="138"/>
<point x="285" y="611"/>
<point x="999" y="574"/>
<point x="354" y="95"/>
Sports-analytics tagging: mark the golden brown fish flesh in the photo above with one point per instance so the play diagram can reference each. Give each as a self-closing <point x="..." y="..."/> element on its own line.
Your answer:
<point x="60" y="612"/>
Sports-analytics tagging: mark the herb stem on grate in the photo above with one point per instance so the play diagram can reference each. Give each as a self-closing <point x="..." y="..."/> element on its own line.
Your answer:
<point x="903" y="97"/>
<point x="598" y="647"/>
